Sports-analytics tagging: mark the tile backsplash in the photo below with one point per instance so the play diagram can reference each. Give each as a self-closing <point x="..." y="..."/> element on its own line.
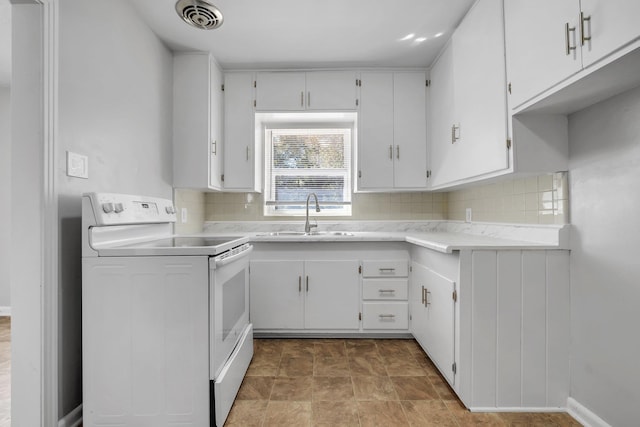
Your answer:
<point x="366" y="206"/>
<point x="542" y="199"/>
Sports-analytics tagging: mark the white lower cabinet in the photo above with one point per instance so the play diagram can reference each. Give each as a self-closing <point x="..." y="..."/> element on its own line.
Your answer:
<point x="433" y="298"/>
<point x="502" y="340"/>
<point x="304" y="295"/>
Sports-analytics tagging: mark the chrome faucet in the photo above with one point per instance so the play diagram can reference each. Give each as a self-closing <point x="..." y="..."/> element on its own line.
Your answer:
<point x="307" y="226"/>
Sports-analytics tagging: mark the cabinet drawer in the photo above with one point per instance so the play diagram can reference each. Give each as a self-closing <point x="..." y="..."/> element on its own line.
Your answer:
<point x="385" y="289"/>
<point x="385" y="315"/>
<point x="390" y="268"/>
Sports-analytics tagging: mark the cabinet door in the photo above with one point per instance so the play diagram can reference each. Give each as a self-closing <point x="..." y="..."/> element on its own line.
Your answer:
<point x="440" y="322"/>
<point x="375" y="139"/>
<point x="536" y="41"/>
<point x="442" y="154"/>
<point x="410" y="130"/>
<point x="280" y="91"/>
<point x="332" y="294"/>
<point x="239" y="131"/>
<point x="191" y="120"/>
<point x="610" y="24"/>
<point x="215" y="122"/>
<point x="480" y="91"/>
<point x="419" y="318"/>
<point x="331" y="90"/>
<point x="276" y="294"/>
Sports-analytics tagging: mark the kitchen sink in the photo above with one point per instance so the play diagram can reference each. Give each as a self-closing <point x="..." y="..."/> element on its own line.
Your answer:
<point x="331" y="233"/>
<point x="302" y="233"/>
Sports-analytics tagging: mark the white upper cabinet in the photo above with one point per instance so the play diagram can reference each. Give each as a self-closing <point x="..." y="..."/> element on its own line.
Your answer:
<point x="409" y="130"/>
<point x="242" y="156"/>
<point x="548" y="40"/>
<point x="479" y="90"/>
<point x="331" y="90"/>
<point x="375" y="136"/>
<point x="197" y="122"/>
<point x="314" y="90"/>
<point x="468" y="100"/>
<point x="607" y="25"/>
<point x="541" y="40"/>
<point x="392" y="146"/>
<point x="280" y="91"/>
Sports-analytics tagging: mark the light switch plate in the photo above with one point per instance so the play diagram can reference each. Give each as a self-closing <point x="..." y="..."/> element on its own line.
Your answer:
<point x="77" y="165"/>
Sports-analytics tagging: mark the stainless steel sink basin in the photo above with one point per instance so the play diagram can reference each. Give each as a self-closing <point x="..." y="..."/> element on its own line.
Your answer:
<point x="332" y="233"/>
<point x="302" y="233"/>
<point x="284" y="233"/>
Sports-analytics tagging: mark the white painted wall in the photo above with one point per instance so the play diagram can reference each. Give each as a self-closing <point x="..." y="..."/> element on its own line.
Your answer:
<point x="5" y="195"/>
<point x="115" y="107"/>
<point x="605" y="286"/>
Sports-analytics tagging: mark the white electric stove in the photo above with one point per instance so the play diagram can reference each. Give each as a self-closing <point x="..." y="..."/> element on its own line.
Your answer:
<point x="166" y="332"/>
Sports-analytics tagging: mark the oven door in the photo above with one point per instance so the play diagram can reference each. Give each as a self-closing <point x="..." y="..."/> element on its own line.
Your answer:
<point x="229" y="306"/>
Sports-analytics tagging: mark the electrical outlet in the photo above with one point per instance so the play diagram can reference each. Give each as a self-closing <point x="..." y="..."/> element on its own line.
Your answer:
<point x="467" y="216"/>
<point x="183" y="215"/>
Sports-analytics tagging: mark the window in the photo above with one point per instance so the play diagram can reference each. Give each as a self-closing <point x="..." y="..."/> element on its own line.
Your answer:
<point x="300" y="161"/>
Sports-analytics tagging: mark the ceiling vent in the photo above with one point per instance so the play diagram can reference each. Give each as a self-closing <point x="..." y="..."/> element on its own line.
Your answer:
<point x="199" y="13"/>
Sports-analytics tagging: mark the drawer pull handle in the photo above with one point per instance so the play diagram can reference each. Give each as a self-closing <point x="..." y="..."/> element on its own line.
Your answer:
<point x="386" y="290"/>
<point x="387" y="316"/>
<point x="387" y="270"/>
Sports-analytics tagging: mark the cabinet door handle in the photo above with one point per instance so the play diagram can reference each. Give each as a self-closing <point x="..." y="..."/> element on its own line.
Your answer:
<point x="247" y="153"/>
<point x="302" y="99"/>
<point x="307" y="284"/>
<point x="422" y="302"/>
<point x="299" y="284"/>
<point x="426" y="298"/>
<point x="214" y="148"/>
<point x="308" y="99"/>
<point x="398" y="152"/>
<point x="567" y="31"/>
<point x="455" y="133"/>
<point x="583" y="37"/>
<point x="391" y="152"/>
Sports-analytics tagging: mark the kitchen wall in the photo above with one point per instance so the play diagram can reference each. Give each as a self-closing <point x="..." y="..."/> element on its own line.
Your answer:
<point x="540" y="199"/>
<point x="115" y="106"/>
<point x="604" y="172"/>
<point x="366" y="206"/>
<point x="194" y="202"/>
<point x="5" y="195"/>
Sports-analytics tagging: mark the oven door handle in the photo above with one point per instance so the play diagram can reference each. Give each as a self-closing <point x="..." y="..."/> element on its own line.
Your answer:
<point x="232" y="258"/>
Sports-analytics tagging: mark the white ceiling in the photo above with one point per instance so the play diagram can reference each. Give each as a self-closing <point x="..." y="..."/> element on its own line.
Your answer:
<point x="5" y="43"/>
<point x="313" y="33"/>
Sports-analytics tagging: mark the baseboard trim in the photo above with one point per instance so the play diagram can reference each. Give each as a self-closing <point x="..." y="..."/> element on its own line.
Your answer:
<point x="583" y="415"/>
<point x="517" y="409"/>
<point x="5" y="311"/>
<point x="72" y="419"/>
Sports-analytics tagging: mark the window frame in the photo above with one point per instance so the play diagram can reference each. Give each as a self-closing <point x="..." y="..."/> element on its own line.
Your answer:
<point x="338" y="209"/>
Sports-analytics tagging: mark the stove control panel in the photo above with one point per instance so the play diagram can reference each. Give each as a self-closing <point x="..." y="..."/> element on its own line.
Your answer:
<point x="121" y="209"/>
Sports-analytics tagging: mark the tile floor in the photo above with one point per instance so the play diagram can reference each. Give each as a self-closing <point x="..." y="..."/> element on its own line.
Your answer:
<point x="337" y="382"/>
<point x="5" y="371"/>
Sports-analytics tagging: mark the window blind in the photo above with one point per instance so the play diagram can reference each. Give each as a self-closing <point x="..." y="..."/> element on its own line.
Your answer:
<point x="304" y="161"/>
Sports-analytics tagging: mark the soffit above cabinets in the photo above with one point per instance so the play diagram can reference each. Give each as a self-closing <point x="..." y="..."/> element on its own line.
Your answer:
<point x="313" y="33"/>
